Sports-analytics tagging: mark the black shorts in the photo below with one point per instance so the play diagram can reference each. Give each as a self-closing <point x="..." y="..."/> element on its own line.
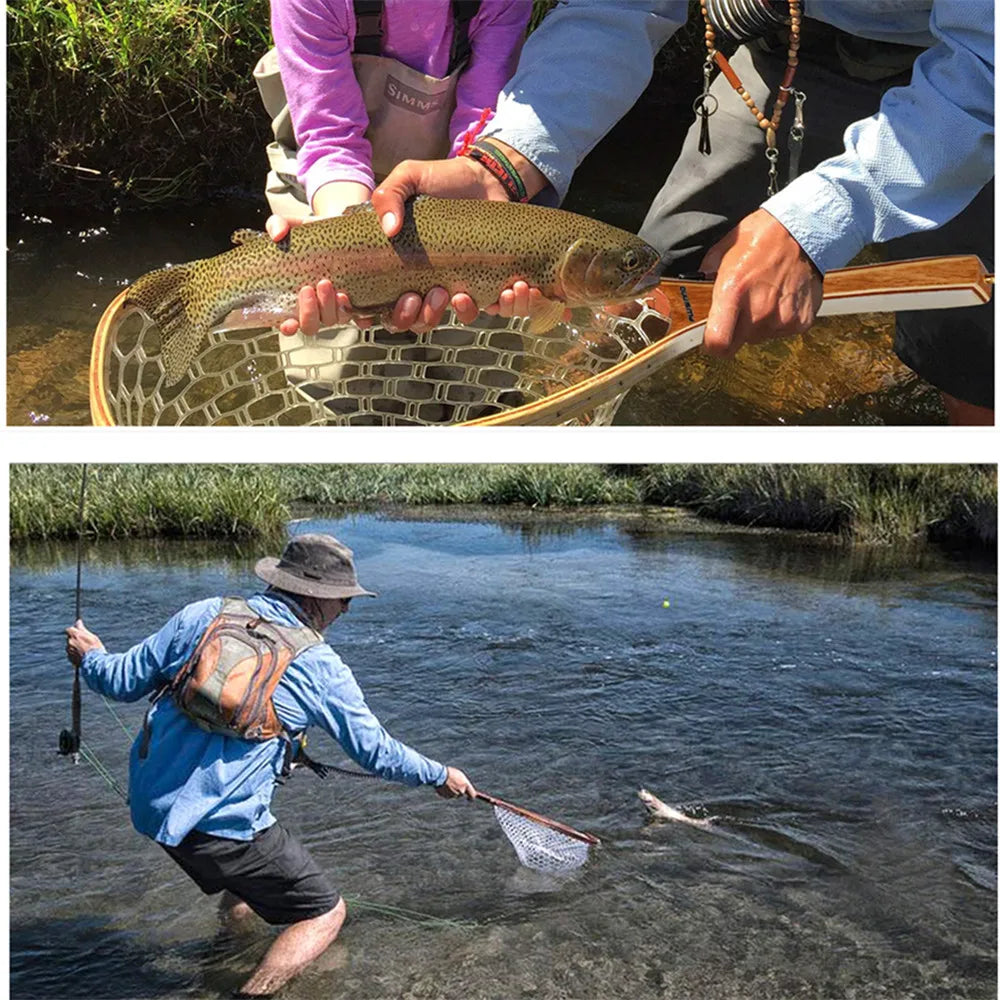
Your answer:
<point x="273" y="873"/>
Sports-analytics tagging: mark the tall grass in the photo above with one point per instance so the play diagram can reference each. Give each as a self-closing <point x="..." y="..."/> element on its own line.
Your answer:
<point x="135" y="100"/>
<point x="873" y="504"/>
<point x="145" y="501"/>
<point x="146" y="98"/>
<point x="860" y="504"/>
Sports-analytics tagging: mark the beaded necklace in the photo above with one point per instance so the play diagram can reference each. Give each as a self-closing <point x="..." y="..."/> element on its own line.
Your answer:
<point x="706" y="104"/>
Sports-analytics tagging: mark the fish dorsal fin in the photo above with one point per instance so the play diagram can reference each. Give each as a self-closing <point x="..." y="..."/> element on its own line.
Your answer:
<point x="242" y="236"/>
<point x="365" y="206"/>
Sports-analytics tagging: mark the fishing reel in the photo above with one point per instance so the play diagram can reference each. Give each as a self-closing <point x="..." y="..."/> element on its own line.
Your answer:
<point x="744" y="20"/>
<point x="69" y="744"/>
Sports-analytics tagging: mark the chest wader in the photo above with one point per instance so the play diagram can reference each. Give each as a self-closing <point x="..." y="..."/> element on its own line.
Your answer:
<point x="227" y="684"/>
<point x="408" y="112"/>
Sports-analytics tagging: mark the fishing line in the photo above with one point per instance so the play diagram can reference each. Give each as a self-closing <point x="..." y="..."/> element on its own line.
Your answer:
<point x="92" y="759"/>
<point x="411" y="916"/>
<point x="130" y="736"/>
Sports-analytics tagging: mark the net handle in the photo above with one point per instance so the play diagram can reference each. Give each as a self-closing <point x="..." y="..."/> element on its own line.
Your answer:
<point x="955" y="281"/>
<point x="586" y="838"/>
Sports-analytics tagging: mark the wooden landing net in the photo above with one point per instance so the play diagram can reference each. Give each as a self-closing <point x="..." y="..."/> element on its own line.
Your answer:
<point x="494" y="372"/>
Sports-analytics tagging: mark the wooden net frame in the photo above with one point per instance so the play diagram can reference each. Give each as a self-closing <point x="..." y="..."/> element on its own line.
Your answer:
<point x="347" y="376"/>
<point x="494" y="372"/>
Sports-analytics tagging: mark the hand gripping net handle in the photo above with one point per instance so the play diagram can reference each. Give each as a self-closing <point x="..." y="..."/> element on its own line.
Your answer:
<point x="541" y="843"/>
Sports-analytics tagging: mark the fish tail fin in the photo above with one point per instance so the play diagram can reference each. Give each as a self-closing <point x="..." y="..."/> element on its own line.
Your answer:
<point x="163" y="296"/>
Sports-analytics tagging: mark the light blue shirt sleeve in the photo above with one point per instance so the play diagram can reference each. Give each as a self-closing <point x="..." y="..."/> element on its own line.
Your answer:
<point x="151" y="663"/>
<point x="318" y="689"/>
<point x="914" y="164"/>
<point x="579" y="73"/>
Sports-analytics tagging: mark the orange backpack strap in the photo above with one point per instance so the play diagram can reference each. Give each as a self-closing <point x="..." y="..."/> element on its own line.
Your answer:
<point x="227" y="684"/>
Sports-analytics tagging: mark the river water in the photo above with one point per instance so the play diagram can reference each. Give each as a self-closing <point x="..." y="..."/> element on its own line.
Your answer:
<point x="63" y="272"/>
<point x="836" y="712"/>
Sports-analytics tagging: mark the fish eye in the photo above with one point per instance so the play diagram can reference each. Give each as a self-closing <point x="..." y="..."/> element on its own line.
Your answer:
<point x="630" y="260"/>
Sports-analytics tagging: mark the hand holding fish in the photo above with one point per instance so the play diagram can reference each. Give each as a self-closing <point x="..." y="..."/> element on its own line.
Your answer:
<point x="79" y="642"/>
<point x="321" y="305"/>
<point x="765" y="286"/>
<point x="458" y="177"/>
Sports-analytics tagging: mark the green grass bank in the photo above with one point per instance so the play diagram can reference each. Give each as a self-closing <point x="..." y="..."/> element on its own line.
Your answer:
<point x="120" y="103"/>
<point x="858" y="504"/>
<point x="132" y="102"/>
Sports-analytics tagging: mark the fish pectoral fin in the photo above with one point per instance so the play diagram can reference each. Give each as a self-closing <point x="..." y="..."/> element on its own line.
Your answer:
<point x="241" y="236"/>
<point x="548" y="316"/>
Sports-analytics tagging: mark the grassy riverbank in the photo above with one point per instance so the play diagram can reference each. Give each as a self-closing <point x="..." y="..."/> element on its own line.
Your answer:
<point x="125" y="102"/>
<point x="860" y="504"/>
<point x="132" y="100"/>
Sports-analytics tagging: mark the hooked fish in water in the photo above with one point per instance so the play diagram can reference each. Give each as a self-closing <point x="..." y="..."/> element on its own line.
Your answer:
<point x="662" y="811"/>
<point x="478" y="247"/>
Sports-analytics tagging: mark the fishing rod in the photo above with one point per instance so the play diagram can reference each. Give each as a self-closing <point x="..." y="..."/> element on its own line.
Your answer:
<point x="70" y="739"/>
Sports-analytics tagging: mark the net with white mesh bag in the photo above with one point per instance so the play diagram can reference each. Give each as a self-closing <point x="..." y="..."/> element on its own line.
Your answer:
<point x="357" y="377"/>
<point x="494" y="371"/>
<point x="541" y="844"/>
<point x="540" y="848"/>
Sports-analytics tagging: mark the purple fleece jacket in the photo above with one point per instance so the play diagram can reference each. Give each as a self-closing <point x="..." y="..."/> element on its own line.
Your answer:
<point x="315" y="39"/>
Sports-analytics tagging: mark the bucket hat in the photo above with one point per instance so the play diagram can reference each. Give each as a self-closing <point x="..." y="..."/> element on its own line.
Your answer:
<point x="314" y="565"/>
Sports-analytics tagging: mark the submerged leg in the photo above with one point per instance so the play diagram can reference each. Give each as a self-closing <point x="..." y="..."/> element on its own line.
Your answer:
<point x="293" y="949"/>
<point x="234" y="913"/>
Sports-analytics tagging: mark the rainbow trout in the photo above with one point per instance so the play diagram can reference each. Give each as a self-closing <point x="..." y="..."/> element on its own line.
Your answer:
<point x="478" y="247"/>
<point x="661" y="810"/>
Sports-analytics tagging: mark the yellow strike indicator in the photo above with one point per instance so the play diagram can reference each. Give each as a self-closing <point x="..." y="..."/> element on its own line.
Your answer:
<point x="666" y="604"/>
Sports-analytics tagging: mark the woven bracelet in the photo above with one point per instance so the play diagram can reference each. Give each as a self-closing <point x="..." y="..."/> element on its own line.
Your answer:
<point x="500" y="167"/>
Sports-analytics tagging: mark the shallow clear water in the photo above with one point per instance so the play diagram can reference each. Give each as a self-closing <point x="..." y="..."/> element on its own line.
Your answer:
<point x="837" y="714"/>
<point x="64" y="271"/>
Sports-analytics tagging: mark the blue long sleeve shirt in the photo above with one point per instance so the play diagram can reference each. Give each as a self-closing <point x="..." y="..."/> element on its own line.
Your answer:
<point x="195" y="780"/>
<point x="911" y="166"/>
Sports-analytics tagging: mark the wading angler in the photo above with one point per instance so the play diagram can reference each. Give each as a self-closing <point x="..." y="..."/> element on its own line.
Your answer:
<point x="235" y="683"/>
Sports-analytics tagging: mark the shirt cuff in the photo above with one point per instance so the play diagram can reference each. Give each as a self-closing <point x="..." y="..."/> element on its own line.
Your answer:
<point x="91" y="653"/>
<point x="442" y="777"/>
<point x="822" y="217"/>
<point x="533" y="140"/>
<point x="89" y="661"/>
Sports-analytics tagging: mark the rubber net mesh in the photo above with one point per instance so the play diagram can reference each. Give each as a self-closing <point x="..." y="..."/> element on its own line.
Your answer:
<point x="539" y="847"/>
<point x="348" y="376"/>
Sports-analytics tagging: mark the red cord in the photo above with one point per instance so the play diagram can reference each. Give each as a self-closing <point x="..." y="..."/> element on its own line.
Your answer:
<point x="471" y="133"/>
